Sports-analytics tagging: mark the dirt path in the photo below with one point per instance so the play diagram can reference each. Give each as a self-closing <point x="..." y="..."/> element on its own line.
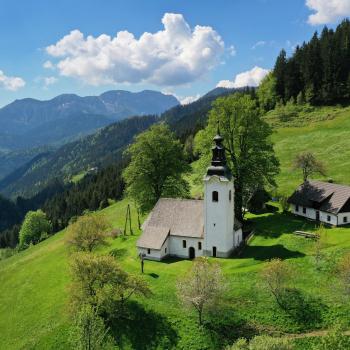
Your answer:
<point x="311" y="334"/>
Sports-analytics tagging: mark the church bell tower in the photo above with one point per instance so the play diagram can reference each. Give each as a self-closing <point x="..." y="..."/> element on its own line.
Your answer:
<point x="219" y="233"/>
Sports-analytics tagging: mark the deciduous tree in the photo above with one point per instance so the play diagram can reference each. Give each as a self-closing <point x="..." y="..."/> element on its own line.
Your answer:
<point x="87" y="232"/>
<point x="277" y="275"/>
<point x="250" y="152"/>
<point x="35" y="226"/>
<point x="202" y="286"/>
<point x="308" y="164"/>
<point x="100" y="282"/>
<point x="157" y="167"/>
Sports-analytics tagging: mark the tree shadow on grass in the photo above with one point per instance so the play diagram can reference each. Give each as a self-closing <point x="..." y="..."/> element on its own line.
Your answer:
<point x="270" y="252"/>
<point x="274" y="225"/>
<point x="143" y="329"/>
<point x="305" y="310"/>
<point x="225" y="327"/>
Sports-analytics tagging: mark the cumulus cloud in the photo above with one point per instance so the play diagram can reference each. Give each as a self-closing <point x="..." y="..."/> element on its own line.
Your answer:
<point x="189" y="99"/>
<point x="327" y="11"/>
<point x="251" y="77"/>
<point x="11" y="83"/>
<point x="48" y="65"/>
<point x="49" y="81"/>
<point x="175" y="55"/>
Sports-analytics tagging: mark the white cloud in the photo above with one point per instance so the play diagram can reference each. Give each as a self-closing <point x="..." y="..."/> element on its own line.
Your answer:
<point x="49" y="81"/>
<point x="232" y="50"/>
<point x="175" y="55"/>
<point x="48" y="65"/>
<point x="11" y="83"/>
<point x="258" y="44"/>
<point x="252" y="77"/>
<point x="327" y="11"/>
<point x="189" y="99"/>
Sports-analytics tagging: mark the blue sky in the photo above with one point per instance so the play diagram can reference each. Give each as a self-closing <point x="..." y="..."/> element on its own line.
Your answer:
<point x="198" y="45"/>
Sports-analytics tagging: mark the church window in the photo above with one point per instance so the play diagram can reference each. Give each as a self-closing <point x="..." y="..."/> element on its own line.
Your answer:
<point x="148" y="251"/>
<point x="215" y="196"/>
<point x="230" y="196"/>
<point x="184" y="243"/>
<point x="199" y="245"/>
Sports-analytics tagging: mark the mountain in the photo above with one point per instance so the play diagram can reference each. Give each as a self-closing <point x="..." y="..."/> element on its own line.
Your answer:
<point x="30" y="123"/>
<point x="104" y="147"/>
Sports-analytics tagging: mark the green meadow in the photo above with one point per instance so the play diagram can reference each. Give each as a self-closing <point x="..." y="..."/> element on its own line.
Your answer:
<point x="34" y="283"/>
<point x="34" y="290"/>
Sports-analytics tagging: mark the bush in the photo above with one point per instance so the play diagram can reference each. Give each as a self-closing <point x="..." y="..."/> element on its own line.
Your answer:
<point x="35" y="226"/>
<point x="262" y="342"/>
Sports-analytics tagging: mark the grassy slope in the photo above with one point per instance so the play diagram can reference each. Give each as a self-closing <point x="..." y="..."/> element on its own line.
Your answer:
<point x="33" y="290"/>
<point x="33" y="284"/>
<point x="329" y="140"/>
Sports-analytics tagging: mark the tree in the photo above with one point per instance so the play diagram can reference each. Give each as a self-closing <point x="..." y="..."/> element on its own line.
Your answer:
<point x="308" y="164"/>
<point x="157" y="167"/>
<point x="267" y="93"/>
<point x="87" y="232"/>
<point x="88" y="331"/>
<point x="100" y="282"/>
<point x="262" y="342"/>
<point x="344" y="272"/>
<point x="251" y="157"/>
<point x="277" y="275"/>
<point x="34" y="227"/>
<point x="202" y="286"/>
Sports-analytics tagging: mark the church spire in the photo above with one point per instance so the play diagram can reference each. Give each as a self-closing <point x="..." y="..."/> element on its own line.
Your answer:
<point x="218" y="161"/>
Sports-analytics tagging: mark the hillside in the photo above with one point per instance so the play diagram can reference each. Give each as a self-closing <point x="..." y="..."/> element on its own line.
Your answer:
<point x="325" y="131"/>
<point x="30" y="123"/>
<point x="33" y="292"/>
<point x="97" y="149"/>
<point x="100" y="149"/>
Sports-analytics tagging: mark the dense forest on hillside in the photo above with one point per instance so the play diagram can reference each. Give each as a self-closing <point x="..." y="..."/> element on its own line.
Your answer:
<point x="62" y="202"/>
<point x="318" y="72"/>
<point x="99" y="150"/>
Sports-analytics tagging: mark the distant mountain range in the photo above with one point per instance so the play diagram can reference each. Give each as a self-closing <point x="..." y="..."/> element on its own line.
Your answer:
<point x="31" y="123"/>
<point x="102" y="148"/>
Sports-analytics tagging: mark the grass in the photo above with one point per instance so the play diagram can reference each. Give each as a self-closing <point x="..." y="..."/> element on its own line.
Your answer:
<point x="329" y="140"/>
<point x="33" y="283"/>
<point x="33" y="290"/>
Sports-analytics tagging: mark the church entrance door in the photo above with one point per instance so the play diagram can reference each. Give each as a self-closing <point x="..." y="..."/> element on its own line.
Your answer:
<point x="191" y="253"/>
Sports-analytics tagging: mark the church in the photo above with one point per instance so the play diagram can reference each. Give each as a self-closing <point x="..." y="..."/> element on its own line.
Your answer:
<point x="187" y="228"/>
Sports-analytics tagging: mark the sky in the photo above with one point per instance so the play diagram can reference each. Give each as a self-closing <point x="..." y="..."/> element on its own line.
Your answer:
<point x="182" y="47"/>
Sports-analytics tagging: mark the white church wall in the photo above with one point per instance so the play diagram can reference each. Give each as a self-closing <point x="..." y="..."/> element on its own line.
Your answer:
<point x="177" y="248"/>
<point x="341" y="220"/>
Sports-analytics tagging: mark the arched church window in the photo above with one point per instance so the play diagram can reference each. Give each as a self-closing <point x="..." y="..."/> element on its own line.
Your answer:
<point x="230" y="196"/>
<point x="215" y="196"/>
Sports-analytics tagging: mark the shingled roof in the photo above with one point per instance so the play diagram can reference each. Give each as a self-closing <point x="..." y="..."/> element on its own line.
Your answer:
<point x="323" y="196"/>
<point x="174" y="217"/>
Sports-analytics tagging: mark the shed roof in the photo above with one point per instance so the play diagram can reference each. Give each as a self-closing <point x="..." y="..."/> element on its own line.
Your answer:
<point x="324" y="196"/>
<point x="153" y="237"/>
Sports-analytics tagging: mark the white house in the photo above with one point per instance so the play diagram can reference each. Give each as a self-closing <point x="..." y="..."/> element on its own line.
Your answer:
<point x="322" y="201"/>
<point x="189" y="228"/>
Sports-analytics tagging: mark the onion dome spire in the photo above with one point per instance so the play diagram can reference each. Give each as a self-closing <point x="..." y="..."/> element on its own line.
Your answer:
<point x="218" y="161"/>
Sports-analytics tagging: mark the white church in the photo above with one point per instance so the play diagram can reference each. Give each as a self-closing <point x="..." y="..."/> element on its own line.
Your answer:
<point x="190" y="228"/>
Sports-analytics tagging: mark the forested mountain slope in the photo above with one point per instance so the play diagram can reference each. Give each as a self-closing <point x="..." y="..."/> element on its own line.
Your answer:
<point x="100" y="149"/>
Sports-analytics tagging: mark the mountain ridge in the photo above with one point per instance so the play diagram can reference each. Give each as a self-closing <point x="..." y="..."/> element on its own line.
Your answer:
<point x="23" y="117"/>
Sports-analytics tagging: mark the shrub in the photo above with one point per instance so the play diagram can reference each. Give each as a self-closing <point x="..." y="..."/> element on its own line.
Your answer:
<point x="35" y="226"/>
